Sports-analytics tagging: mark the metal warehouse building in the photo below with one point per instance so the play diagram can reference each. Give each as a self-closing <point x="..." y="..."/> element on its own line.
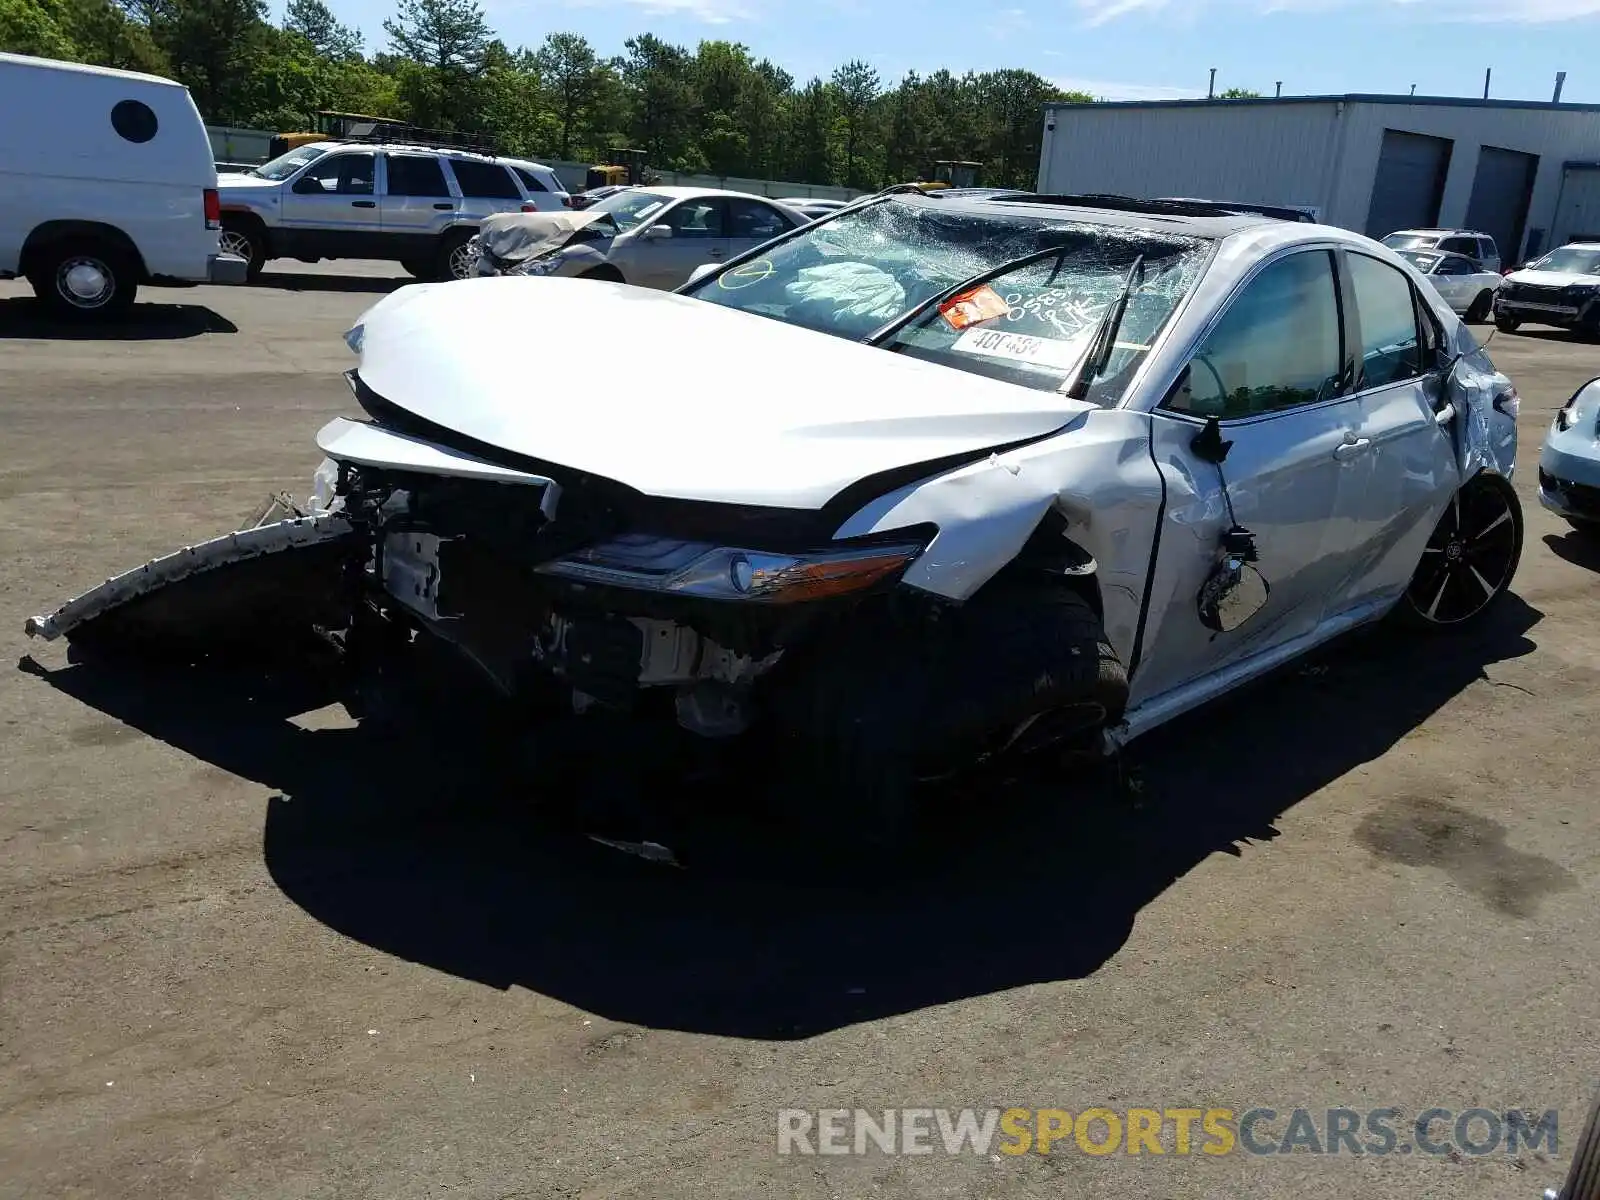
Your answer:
<point x="1526" y="172"/>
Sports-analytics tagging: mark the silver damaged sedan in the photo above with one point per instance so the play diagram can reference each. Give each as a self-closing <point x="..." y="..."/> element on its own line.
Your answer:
<point x="926" y="483"/>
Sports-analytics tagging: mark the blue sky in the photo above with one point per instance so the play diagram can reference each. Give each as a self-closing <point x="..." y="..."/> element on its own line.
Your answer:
<point x="1119" y="49"/>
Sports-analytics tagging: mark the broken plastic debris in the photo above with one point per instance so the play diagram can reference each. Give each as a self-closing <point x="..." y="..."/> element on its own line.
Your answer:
<point x="371" y="1032"/>
<point x="649" y="851"/>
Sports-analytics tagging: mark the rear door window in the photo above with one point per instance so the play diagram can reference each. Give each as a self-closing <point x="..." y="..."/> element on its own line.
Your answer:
<point x="530" y="181"/>
<point x="416" y="175"/>
<point x="1460" y="245"/>
<point x="489" y="180"/>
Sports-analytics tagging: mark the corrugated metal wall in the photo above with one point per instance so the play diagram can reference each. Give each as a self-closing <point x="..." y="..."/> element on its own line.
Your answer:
<point x="1322" y="153"/>
<point x="1556" y="135"/>
<point x="1262" y="154"/>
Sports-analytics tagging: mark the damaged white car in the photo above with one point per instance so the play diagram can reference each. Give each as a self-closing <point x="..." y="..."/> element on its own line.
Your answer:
<point x="927" y="482"/>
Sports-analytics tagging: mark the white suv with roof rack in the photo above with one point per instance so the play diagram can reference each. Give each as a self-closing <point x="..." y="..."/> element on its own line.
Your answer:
<point x="1472" y="243"/>
<point x="414" y="204"/>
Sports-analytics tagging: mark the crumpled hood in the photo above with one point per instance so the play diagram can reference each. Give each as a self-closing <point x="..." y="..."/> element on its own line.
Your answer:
<point x="515" y="236"/>
<point x="678" y="397"/>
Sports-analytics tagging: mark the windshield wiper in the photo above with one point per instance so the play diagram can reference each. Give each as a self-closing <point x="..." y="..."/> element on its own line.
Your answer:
<point x="1105" y="335"/>
<point x="884" y="332"/>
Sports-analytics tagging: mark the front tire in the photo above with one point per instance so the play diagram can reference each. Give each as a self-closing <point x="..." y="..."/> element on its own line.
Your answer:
<point x="84" y="280"/>
<point x="1479" y="311"/>
<point x="245" y="240"/>
<point x="605" y="271"/>
<point x="417" y="268"/>
<point x="1021" y="666"/>
<point x="1470" y="559"/>
<point x="1507" y="324"/>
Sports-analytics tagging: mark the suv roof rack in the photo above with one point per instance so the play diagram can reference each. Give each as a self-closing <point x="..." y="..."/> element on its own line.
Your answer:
<point x="398" y="133"/>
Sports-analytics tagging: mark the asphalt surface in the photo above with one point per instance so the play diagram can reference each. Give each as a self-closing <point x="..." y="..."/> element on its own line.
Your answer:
<point x="249" y="951"/>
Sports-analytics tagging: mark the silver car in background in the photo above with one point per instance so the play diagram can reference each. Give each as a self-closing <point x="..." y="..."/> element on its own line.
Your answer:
<point x="1463" y="283"/>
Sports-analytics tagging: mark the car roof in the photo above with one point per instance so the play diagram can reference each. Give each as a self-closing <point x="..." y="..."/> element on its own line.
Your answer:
<point x="679" y="192"/>
<point x="1193" y="220"/>
<point x="412" y="148"/>
<point x="1444" y="232"/>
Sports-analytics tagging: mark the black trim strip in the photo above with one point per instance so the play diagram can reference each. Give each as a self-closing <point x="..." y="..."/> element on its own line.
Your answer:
<point x="1137" y="655"/>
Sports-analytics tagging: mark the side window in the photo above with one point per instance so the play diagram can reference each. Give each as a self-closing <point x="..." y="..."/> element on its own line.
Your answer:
<point x="697" y="219"/>
<point x="344" y="174"/>
<point x="1460" y="245"/>
<point x="1454" y="266"/>
<point x="1390" y="348"/>
<point x="530" y="181"/>
<point x="1277" y="346"/>
<point x="484" y="179"/>
<point x="416" y="175"/>
<point x="1487" y="249"/>
<point x="753" y="220"/>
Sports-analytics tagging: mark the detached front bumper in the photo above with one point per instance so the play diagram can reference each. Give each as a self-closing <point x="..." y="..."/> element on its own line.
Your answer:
<point x="226" y="269"/>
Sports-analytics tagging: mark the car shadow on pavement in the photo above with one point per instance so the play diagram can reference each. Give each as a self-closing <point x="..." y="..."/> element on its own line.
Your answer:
<point x="431" y="852"/>
<point x="25" y="317"/>
<point x="1578" y="547"/>
<point x="305" y="281"/>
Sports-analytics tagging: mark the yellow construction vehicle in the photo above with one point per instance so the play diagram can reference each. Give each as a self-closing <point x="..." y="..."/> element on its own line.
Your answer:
<point x="626" y="168"/>
<point x="333" y="126"/>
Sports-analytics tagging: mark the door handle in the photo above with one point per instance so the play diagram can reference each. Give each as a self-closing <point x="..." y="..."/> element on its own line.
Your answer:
<point x="444" y="207"/>
<point x="1351" y="449"/>
<point x="363" y="204"/>
<point x="715" y="253"/>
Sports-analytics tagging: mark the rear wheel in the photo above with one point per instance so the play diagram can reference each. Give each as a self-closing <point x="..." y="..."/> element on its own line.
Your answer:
<point x="604" y="271"/>
<point x="417" y="268"/>
<point x="1469" y="561"/>
<point x="84" y="279"/>
<point x="1479" y="311"/>
<point x="455" y="260"/>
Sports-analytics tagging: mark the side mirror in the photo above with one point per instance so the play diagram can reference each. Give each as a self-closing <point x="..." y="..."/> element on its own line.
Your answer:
<point x="307" y="185"/>
<point x="657" y="232"/>
<point x="702" y="271"/>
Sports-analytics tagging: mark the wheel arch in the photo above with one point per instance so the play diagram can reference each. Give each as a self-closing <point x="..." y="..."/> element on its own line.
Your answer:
<point x="52" y="233"/>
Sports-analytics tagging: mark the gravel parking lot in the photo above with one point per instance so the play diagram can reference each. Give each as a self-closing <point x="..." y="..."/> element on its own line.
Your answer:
<point x="250" y="952"/>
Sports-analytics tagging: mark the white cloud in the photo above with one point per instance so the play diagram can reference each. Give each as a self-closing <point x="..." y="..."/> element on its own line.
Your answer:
<point x="1100" y="89"/>
<point x="712" y="12"/>
<point x="1525" y="12"/>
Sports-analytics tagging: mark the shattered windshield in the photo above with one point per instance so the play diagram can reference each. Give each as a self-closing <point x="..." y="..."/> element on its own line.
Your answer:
<point x="1031" y="325"/>
<point x="286" y="165"/>
<point x="631" y="207"/>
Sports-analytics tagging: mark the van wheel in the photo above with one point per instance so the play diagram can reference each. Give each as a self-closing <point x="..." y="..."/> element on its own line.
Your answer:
<point x="83" y="280"/>
<point x="240" y="239"/>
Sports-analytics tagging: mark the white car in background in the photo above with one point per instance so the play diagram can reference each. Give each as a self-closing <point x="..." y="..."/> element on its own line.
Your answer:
<point x="651" y="237"/>
<point x="1562" y="288"/>
<point x="1465" y="285"/>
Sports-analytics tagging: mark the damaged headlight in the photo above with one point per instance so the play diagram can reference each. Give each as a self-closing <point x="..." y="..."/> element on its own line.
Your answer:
<point x="730" y="573"/>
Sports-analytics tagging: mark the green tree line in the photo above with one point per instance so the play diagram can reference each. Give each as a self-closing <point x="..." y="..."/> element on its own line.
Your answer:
<point x="713" y="109"/>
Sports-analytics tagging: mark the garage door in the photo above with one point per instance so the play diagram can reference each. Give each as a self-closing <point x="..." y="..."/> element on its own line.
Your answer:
<point x="1500" y="193"/>
<point x="1410" y="182"/>
<point x="1578" y="214"/>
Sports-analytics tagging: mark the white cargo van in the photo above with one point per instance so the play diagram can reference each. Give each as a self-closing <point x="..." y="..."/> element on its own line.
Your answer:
<point x="106" y="182"/>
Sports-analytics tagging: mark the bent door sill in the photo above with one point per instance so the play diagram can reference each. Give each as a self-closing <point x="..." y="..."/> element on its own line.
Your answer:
<point x="1158" y="710"/>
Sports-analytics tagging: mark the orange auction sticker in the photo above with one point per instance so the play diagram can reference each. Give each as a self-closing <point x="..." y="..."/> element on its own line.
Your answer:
<point x="971" y="308"/>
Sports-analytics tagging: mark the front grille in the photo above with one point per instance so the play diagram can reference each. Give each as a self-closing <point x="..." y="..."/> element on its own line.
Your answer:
<point x="1538" y="293"/>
